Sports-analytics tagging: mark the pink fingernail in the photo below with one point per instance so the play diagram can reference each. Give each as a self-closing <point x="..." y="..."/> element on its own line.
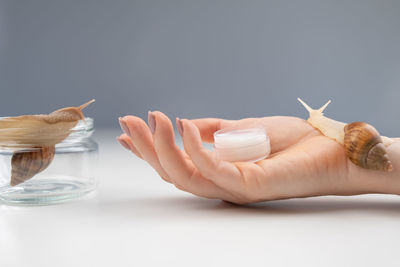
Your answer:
<point x="123" y="143"/>
<point x="179" y="126"/>
<point x="124" y="127"/>
<point x="151" y="119"/>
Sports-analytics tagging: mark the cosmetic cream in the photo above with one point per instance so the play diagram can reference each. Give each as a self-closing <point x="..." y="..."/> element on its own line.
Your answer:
<point x="250" y="144"/>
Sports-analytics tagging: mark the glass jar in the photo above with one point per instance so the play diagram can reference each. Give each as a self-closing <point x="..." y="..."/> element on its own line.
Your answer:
<point x="70" y="173"/>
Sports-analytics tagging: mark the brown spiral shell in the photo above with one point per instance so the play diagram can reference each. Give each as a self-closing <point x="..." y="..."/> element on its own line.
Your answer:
<point x="364" y="147"/>
<point x="26" y="164"/>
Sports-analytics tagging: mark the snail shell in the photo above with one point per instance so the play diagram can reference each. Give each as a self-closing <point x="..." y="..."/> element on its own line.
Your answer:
<point x="26" y="164"/>
<point x="363" y="146"/>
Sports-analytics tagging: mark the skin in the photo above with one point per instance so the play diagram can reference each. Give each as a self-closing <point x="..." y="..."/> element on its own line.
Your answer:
<point x="302" y="163"/>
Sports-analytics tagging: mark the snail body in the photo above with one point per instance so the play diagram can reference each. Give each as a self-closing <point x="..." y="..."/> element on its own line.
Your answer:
<point x="42" y="129"/>
<point x="362" y="143"/>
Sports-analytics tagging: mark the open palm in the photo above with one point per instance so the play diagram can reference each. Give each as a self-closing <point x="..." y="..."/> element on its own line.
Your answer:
<point x="302" y="163"/>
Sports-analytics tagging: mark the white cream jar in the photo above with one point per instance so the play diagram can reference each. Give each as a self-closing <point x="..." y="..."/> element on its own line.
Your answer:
<point x="250" y="144"/>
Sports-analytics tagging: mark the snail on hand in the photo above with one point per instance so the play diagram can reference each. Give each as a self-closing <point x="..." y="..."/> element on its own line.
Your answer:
<point x="33" y="139"/>
<point x="362" y="143"/>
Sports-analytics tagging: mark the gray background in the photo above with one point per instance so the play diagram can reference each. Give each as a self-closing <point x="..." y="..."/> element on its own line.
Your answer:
<point x="229" y="59"/>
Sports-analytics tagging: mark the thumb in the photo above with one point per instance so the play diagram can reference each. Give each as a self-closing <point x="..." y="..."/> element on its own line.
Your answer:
<point x="208" y="126"/>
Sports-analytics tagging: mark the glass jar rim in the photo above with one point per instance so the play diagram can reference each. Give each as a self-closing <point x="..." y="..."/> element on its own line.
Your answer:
<point x="82" y="130"/>
<point x="87" y="124"/>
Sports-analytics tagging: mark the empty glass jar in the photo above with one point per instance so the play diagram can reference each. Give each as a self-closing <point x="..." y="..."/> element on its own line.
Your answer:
<point x="69" y="174"/>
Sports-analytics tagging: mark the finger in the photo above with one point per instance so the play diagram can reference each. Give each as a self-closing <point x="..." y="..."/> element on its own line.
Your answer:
<point x="208" y="126"/>
<point x="175" y="162"/>
<point x="284" y="131"/>
<point x="126" y="142"/>
<point x="224" y="174"/>
<point x="142" y="140"/>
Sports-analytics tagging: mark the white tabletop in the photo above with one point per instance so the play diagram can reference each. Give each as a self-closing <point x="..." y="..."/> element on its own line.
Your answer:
<point x="136" y="219"/>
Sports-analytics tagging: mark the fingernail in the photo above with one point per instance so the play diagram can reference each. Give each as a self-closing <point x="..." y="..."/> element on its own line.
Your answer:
<point x="124" y="127"/>
<point x="179" y="126"/>
<point x="151" y="119"/>
<point x="123" y="143"/>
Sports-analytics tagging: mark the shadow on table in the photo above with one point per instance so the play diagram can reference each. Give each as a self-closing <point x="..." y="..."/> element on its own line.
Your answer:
<point x="188" y="205"/>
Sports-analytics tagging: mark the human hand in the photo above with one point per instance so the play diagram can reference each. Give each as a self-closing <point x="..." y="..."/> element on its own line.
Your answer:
<point x="302" y="163"/>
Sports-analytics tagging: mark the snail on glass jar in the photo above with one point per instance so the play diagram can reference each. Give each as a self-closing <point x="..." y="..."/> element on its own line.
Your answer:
<point x="361" y="141"/>
<point x="33" y="139"/>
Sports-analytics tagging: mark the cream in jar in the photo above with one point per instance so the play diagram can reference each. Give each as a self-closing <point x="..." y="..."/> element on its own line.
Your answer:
<point x="250" y="144"/>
